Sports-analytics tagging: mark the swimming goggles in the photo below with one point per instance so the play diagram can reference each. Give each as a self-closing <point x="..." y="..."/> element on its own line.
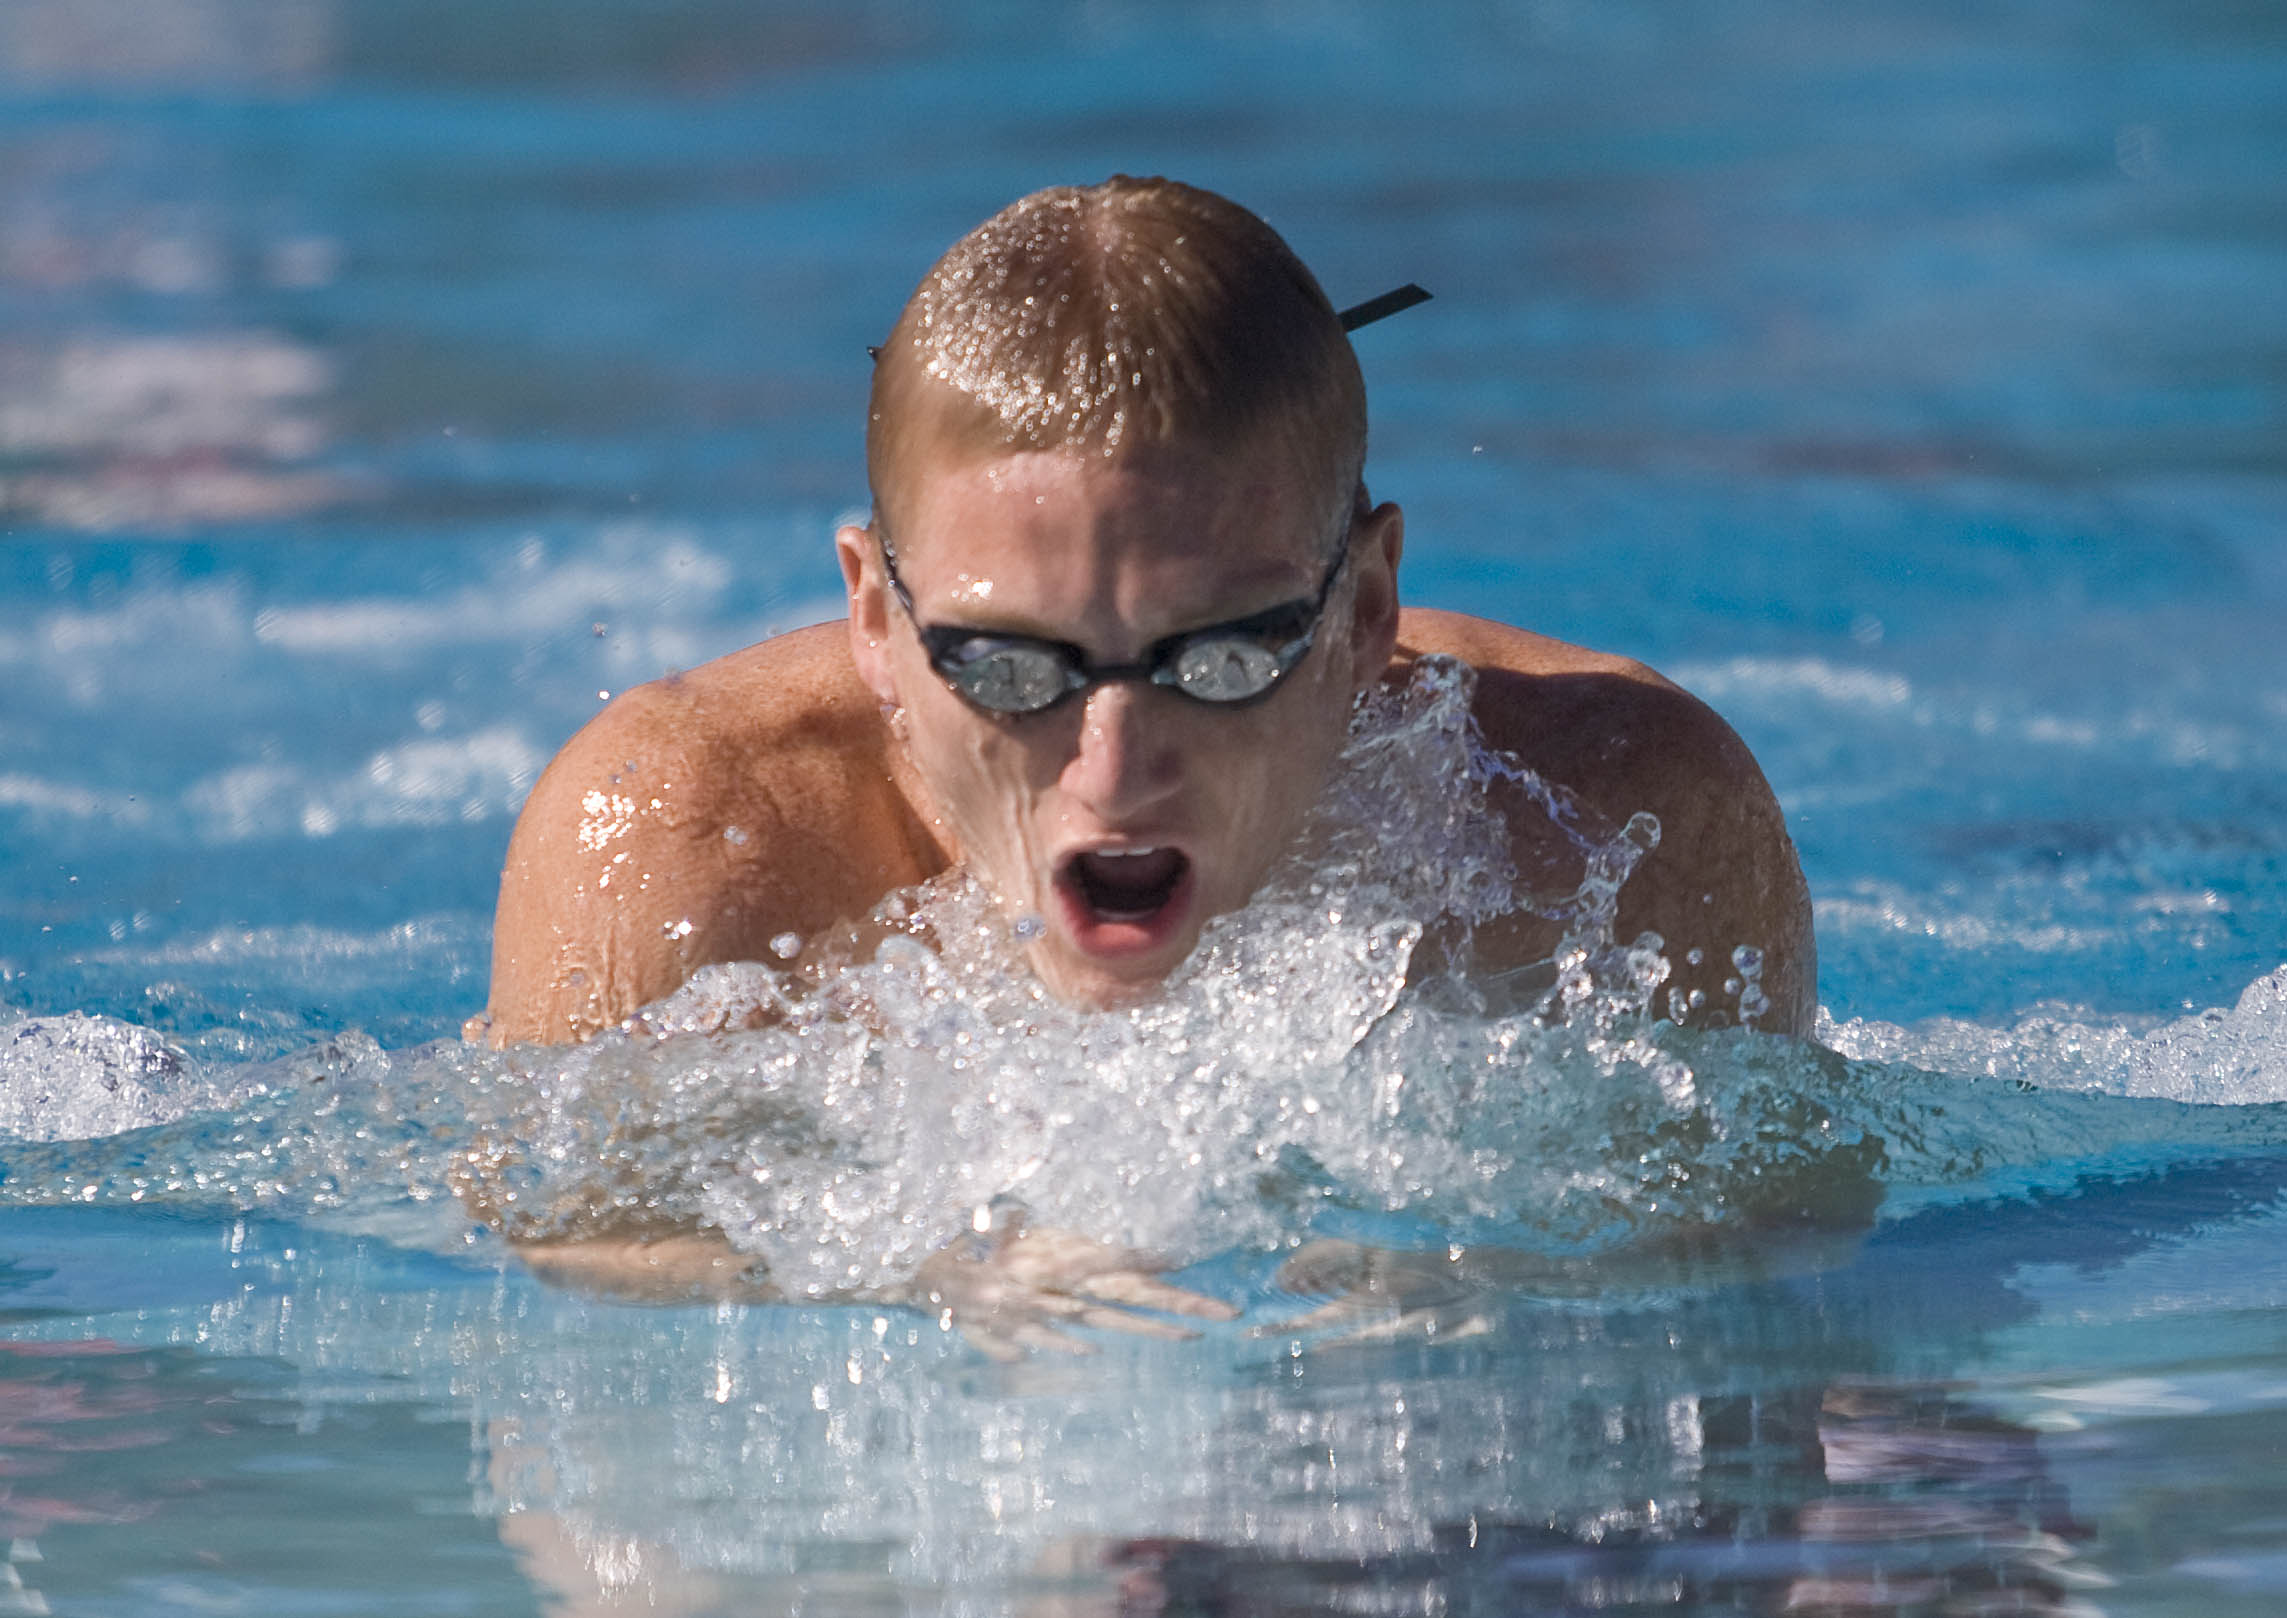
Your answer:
<point x="1227" y="665"/>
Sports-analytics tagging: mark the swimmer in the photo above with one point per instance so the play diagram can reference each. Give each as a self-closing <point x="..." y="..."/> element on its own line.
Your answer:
<point x="1120" y="590"/>
<point x="1121" y="585"/>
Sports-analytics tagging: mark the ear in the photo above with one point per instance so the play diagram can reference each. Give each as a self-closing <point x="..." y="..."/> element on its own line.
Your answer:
<point x="1374" y="597"/>
<point x="868" y="591"/>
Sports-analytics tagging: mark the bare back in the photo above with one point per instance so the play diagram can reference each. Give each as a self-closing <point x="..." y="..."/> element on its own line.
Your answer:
<point x="700" y="817"/>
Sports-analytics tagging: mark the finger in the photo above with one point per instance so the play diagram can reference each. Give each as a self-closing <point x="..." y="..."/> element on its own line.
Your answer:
<point x="1008" y="1339"/>
<point x="1046" y="1256"/>
<point x="1410" y="1288"/>
<point x="992" y="1342"/>
<point x="1400" y="1280"/>
<point x="1004" y="1308"/>
<point x="1346" y="1323"/>
<point x="1037" y="1335"/>
<point x="1143" y="1292"/>
<point x="1136" y="1325"/>
<point x="1416" y="1325"/>
<point x="1350" y="1313"/>
<point x="1340" y="1312"/>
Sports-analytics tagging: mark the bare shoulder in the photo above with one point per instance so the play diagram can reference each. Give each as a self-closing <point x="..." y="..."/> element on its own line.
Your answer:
<point x="1626" y="740"/>
<point x="751" y="737"/>
<point x="1591" y="717"/>
<point x="691" y="821"/>
<point x="1488" y="645"/>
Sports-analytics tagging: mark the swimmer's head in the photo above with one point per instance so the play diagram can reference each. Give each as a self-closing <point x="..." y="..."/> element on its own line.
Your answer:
<point x="1113" y="428"/>
<point x="1107" y="319"/>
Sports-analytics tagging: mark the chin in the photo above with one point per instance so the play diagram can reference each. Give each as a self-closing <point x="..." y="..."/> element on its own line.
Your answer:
<point x="1093" y="985"/>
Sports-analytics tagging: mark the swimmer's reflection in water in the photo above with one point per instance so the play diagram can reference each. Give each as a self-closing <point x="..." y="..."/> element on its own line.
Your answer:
<point x="1121" y="588"/>
<point x="1621" y="1470"/>
<point x="1861" y="1499"/>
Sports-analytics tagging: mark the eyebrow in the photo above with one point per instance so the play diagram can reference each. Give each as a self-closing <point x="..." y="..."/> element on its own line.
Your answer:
<point x="985" y="632"/>
<point x="1261" y="620"/>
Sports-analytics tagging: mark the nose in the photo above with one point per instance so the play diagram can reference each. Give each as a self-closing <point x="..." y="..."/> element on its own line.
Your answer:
<point x="1127" y="759"/>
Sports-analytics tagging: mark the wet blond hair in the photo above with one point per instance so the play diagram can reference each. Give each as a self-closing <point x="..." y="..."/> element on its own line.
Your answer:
<point x="1110" y="317"/>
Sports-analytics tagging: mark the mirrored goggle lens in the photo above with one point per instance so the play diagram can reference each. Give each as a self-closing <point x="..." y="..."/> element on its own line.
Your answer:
<point x="1010" y="679"/>
<point x="1223" y="669"/>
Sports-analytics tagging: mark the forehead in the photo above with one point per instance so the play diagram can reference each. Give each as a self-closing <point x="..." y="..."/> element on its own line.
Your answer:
<point x="1148" y="505"/>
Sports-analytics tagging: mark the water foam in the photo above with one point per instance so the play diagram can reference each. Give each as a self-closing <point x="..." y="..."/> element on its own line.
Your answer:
<point x="79" y="1077"/>
<point x="2217" y="1056"/>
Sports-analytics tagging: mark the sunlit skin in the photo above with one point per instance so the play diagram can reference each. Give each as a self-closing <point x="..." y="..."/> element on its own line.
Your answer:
<point x="1114" y="554"/>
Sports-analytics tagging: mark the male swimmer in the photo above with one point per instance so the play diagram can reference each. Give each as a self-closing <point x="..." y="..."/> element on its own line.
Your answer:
<point x="1120" y="588"/>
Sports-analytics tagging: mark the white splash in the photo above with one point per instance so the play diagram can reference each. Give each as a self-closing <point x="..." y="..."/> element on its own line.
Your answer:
<point x="2217" y="1056"/>
<point x="77" y="1077"/>
<point x="864" y="1114"/>
<point x="1325" y="1056"/>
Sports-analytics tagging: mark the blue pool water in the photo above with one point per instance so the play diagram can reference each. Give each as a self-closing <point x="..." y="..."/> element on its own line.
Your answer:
<point x="380" y="385"/>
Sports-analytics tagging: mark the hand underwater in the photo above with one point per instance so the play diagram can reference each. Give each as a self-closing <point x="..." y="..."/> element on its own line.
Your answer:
<point x="684" y="1267"/>
<point x="1378" y="1295"/>
<point x="1018" y="1287"/>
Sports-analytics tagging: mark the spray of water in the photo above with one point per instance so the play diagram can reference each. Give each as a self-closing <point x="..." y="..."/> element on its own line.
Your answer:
<point x="1327" y="1060"/>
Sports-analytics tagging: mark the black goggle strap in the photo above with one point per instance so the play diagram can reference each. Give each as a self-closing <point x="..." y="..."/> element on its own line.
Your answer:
<point x="896" y="584"/>
<point x="1395" y="301"/>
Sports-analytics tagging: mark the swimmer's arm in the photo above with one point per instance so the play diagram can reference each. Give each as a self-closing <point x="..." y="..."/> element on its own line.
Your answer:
<point x="693" y="821"/>
<point x="652" y="846"/>
<point x="600" y="877"/>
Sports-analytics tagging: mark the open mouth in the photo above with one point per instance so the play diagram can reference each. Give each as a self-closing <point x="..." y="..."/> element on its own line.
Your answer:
<point x="1126" y="886"/>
